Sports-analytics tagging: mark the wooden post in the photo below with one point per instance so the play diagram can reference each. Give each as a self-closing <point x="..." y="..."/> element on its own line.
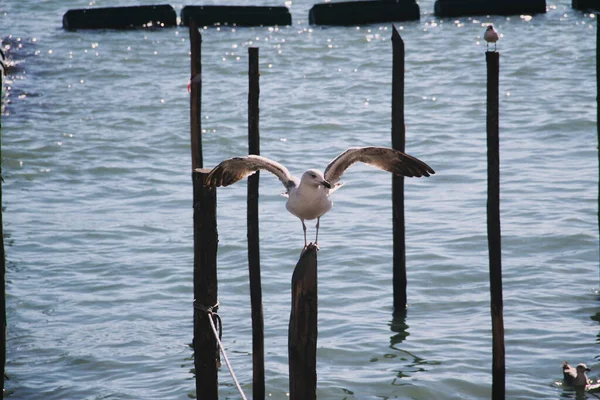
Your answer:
<point x="196" y="95"/>
<point x="598" y="107"/>
<point x="258" y="345"/>
<point x="2" y="266"/>
<point x="398" y="143"/>
<point x="206" y="350"/>
<point x="493" y="225"/>
<point x="302" y="340"/>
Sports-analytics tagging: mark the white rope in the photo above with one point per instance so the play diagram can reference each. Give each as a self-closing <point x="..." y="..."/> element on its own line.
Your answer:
<point x="237" y="384"/>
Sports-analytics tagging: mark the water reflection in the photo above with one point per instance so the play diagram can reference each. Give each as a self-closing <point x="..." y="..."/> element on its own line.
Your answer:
<point x="399" y="325"/>
<point x="414" y="363"/>
<point x="578" y="394"/>
<point x="596" y="317"/>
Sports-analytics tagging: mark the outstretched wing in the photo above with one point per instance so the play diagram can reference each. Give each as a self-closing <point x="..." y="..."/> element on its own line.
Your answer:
<point x="237" y="168"/>
<point x="569" y="373"/>
<point x="384" y="158"/>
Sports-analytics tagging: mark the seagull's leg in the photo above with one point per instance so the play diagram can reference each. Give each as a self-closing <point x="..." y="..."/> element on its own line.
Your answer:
<point x="304" y="228"/>
<point x="317" y="237"/>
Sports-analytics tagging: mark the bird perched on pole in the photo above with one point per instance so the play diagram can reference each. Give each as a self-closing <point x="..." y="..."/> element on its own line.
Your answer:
<point x="308" y="197"/>
<point x="491" y="36"/>
<point x="575" y="376"/>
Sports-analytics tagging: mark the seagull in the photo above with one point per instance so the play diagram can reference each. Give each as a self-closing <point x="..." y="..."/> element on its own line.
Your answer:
<point x="491" y="36"/>
<point x="308" y="197"/>
<point x="575" y="376"/>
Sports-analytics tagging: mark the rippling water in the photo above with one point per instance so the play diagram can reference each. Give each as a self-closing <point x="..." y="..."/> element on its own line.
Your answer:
<point x="98" y="216"/>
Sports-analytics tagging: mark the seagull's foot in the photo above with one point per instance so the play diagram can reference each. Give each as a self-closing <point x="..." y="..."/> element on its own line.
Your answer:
<point x="311" y="244"/>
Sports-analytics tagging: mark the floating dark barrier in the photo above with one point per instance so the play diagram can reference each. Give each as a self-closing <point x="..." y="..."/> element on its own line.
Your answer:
<point x="458" y="8"/>
<point x="120" y="17"/>
<point x="236" y="15"/>
<point x="585" y="5"/>
<point x="363" y="12"/>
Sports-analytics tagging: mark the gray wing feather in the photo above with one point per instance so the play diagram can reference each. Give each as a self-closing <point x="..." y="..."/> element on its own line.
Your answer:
<point x="237" y="168"/>
<point x="384" y="158"/>
<point x="569" y="373"/>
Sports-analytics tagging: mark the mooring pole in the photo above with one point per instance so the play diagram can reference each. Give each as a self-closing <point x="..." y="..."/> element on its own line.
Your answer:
<point x="2" y="266"/>
<point x="493" y="225"/>
<point x="598" y="109"/>
<point x="206" y="350"/>
<point x="302" y="339"/>
<point x="398" y="143"/>
<point x="196" y="95"/>
<point x="258" y="341"/>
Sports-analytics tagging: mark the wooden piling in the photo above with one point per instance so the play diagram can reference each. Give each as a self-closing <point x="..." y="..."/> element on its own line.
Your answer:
<point x="598" y="109"/>
<point x="2" y="267"/>
<point x="493" y="225"/>
<point x="206" y="350"/>
<point x="196" y="95"/>
<point x="258" y="346"/>
<point x="302" y="339"/>
<point x="398" y="143"/>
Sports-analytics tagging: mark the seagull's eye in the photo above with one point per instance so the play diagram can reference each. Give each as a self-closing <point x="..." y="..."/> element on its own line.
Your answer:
<point x="313" y="175"/>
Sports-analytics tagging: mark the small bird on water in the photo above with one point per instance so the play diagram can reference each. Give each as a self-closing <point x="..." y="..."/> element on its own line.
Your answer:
<point x="491" y="36"/>
<point x="575" y="376"/>
<point x="308" y="197"/>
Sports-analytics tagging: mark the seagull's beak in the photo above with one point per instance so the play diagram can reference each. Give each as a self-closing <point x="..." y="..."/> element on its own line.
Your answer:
<point x="326" y="184"/>
<point x="588" y="370"/>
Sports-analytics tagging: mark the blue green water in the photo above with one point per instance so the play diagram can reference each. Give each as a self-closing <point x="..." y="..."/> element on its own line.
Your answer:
<point x="98" y="204"/>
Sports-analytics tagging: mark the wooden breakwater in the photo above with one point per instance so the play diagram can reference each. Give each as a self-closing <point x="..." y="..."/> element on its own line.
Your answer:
<point x="341" y="13"/>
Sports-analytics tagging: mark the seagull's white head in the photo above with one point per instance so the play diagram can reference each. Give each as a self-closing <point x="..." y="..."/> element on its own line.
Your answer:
<point x="314" y="177"/>
<point x="582" y="368"/>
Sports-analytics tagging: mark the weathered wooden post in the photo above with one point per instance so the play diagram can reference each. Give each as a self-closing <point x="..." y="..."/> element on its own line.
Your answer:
<point x="398" y="143"/>
<point x="206" y="350"/>
<point x="598" y="107"/>
<point x="2" y="266"/>
<point x="302" y="339"/>
<point x="258" y="346"/>
<point x="493" y="225"/>
<point x="196" y="95"/>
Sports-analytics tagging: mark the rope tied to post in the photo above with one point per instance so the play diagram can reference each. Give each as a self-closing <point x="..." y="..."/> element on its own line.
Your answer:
<point x="212" y="313"/>
<point x="215" y="319"/>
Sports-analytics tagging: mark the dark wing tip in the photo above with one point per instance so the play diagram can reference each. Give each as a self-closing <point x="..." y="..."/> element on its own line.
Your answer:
<point x="213" y="180"/>
<point x="218" y="177"/>
<point x="415" y="168"/>
<point x="228" y="172"/>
